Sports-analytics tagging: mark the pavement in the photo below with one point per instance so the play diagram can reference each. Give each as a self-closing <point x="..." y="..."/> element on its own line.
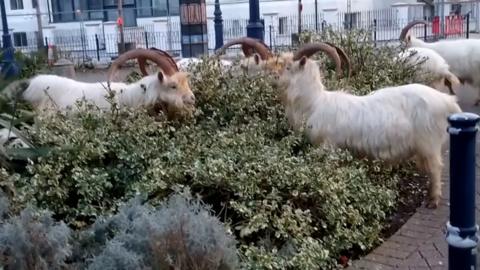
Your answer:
<point x="420" y="243"/>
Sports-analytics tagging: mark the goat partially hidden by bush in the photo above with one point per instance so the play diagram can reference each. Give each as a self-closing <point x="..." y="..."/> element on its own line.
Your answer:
<point x="431" y="64"/>
<point x="392" y="124"/>
<point x="183" y="63"/>
<point x="168" y="88"/>
<point x="258" y="57"/>
<point x="461" y="54"/>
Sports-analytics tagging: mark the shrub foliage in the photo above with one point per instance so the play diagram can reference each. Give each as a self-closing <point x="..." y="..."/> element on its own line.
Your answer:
<point x="289" y="205"/>
<point x="179" y="234"/>
<point x="32" y="240"/>
<point x="373" y="65"/>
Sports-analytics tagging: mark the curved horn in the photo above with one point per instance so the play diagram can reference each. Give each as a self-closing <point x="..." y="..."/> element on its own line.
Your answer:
<point x="249" y="50"/>
<point x="159" y="59"/>
<point x="142" y="61"/>
<point x="343" y="56"/>
<point x="407" y="27"/>
<point x="310" y="49"/>
<point x="141" y="64"/>
<point x="248" y="43"/>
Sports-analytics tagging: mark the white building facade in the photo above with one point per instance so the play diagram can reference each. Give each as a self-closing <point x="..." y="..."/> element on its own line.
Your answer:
<point x="90" y="25"/>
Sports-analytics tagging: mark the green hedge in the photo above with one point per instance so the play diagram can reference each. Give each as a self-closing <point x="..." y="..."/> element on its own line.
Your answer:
<point x="290" y="205"/>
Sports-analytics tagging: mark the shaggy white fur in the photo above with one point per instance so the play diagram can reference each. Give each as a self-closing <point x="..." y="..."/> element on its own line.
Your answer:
<point x="393" y="123"/>
<point x="255" y="65"/>
<point x="461" y="55"/>
<point x="184" y="63"/>
<point x="52" y="91"/>
<point x="431" y="63"/>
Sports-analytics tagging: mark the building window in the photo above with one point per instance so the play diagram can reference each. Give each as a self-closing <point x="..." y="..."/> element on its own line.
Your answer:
<point x="63" y="10"/>
<point x="110" y="2"/>
<point x="174" y="7"/>
<point x="160" y="7"/>
<point x="415" y="13"/>
<point x="351" y="20"/>
<point x="106" y="10"/>
<point x="456" y="9"/>
<point x="95" y="9"/>
<point x="20" y="39"/>
<point x="282" y="25"/>
<point x="129" y="17"/>
<point x="16" y="4"/>
<point x="144" y="8"/>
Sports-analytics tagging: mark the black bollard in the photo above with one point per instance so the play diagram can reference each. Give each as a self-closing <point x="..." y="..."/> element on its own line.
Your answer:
<point x="462" y="230"/>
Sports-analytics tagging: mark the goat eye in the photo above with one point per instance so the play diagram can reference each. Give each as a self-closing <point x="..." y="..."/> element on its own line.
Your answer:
<point x="174" y="87"/>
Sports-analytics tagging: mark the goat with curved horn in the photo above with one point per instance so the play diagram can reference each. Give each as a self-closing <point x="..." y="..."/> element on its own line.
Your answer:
<point x="248" y="45"/>
<point x="342" y="119"/>
<point x="248" y="50"/>
<point x="346" y="64"/>
<point x="407" y="27"/>
<point x="160" y="59"/>
<point x="458" y="54"/>
<point x="142" y="61"/>
<point x="168" y="89"/>
<point x="310" y="49"/>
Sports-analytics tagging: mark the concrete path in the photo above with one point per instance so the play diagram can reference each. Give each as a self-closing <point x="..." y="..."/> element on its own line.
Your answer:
<point x="420" y="243"/>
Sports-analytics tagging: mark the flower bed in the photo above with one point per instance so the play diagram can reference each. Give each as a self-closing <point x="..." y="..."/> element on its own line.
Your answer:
<point x="288" y="205"/>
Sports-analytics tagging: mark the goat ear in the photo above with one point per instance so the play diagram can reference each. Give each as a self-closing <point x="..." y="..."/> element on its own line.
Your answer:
<point x="256" y="57"/>
<point x="160" y="76"/>
<point x="303" y="61"/>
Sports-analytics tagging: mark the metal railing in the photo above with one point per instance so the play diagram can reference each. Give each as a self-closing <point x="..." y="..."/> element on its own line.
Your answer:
<point x="383" y="25"/>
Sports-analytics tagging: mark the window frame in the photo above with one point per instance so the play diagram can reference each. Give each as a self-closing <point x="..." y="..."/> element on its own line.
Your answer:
<point x="16" y="5"/>
<point x="282" y="25"/>
<point x="22" y="36"/>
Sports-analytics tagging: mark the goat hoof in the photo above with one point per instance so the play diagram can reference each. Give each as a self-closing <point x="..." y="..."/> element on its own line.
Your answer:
<point x="477" y="102"/>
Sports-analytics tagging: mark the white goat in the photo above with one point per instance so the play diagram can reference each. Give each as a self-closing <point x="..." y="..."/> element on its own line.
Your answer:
<point x="185" y="63"/>
<point x="431" y="64"/>
<point x="258" y="57"/>
<point x="182" y="63"/>
<point x="461" y="54"/>
<point x="168" y="88"/>
<point x="392" y="124"/>
<point x="255" y="64"/>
